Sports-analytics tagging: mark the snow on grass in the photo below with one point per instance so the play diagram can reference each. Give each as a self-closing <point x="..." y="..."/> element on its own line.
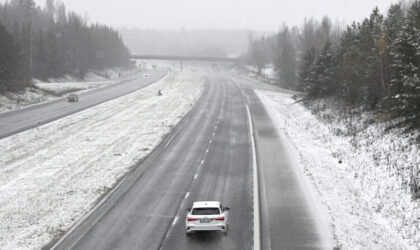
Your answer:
<point x="50" y="176"/>
<point x="56" y="88"/>
<point x="268" y="73"/>
<point x="29" y="96"/>
<point x="92" y="80"/>
<point x="366" y="196"/>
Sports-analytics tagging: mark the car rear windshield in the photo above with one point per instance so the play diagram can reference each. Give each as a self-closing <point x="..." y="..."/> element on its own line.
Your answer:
<point x="205" y="211"/>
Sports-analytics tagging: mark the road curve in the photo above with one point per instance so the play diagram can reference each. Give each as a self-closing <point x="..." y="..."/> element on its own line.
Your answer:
<point x="16" y="121"/>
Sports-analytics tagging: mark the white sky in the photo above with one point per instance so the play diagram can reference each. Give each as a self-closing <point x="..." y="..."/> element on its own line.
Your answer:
<point x="265" y="15"/>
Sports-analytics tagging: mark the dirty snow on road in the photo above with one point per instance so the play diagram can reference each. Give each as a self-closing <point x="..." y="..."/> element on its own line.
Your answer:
<point x="367" y="206"/>
<point x="51" y="175"/>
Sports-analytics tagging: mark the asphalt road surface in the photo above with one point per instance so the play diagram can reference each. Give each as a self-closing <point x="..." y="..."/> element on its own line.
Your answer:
<point x="207" y="157"/>
<point x="288" y="216"/>
<point x="16" y="121"/>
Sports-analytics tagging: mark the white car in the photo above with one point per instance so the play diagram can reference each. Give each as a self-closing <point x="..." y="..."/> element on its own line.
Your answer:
<point x="207" y="216"/>
<point x="146" y="75"/>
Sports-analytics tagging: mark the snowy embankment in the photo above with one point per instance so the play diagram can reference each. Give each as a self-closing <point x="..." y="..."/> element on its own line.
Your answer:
<point x="51" y="175"/>
<point x="360" y="179"/>
<point x="56" y="88"/>
<point x="268" y="73"/>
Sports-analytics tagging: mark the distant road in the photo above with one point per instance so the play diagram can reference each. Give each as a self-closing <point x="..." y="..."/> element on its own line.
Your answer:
<point x="16" y="121"/>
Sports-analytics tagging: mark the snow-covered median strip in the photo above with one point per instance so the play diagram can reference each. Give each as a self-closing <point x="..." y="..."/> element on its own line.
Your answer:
<point x="50" y="176"/>
<point x="367" y="204"/>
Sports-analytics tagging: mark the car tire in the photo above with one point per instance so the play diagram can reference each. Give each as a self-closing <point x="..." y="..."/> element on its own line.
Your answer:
<point x="226" y="229"/>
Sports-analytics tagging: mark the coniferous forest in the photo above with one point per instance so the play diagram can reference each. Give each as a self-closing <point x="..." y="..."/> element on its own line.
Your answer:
<point x="49" y="42"/>
<point x="374" y="64"/>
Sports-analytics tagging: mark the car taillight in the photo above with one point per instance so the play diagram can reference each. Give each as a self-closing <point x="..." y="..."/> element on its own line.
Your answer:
<point x="220" y="218"/>
<point x="192" y="219"/>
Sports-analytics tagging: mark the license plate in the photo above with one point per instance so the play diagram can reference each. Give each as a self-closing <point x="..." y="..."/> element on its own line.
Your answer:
<point x="205" y="220"/>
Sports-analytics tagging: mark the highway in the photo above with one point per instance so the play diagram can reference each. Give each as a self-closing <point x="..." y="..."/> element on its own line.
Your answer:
<point x="16" y="121"/>
<point x="289" y="218"/>
<point x="208" y="156"/>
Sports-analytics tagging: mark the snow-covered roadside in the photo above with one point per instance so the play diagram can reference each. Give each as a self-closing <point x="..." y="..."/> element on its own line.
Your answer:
<point x="50" y="176"/>
<point x="56" y="88"/>
<point x="368" y="205"/>
<point x="268" y="73"/>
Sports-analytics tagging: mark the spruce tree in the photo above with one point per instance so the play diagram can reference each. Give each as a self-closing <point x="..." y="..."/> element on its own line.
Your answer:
<point x="350" y="66"/>
<point x="405" y="85"/>
<point x="306" y="67"/>
<point x="322" y="74"/>
<point x="392" y="26"/>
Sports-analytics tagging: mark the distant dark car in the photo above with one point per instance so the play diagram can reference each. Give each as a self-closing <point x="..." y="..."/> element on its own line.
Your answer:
<point x="72" y="98"/>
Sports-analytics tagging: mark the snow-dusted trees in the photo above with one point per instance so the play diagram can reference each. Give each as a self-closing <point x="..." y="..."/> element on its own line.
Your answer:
<point x="258" y="54"/>
<point x="54" y="42"/>
<point x="321" y="82"/>
<point x="374" y="64"/>
<point x="404" y="89"/>
<point x="10" y="62"/>
<point x="286" y="49"/>
<point x="305" y="79"/>
<point x="285" y="58"/>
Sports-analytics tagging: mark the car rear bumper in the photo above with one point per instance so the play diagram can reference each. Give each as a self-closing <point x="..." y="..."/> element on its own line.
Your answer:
<point x="212" y="227"/>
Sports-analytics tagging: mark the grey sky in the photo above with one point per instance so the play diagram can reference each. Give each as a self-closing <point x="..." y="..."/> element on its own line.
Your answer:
<point x="228" y="14"/>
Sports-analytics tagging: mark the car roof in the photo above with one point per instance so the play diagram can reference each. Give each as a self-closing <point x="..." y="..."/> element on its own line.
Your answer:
<point x="206" y="204"/>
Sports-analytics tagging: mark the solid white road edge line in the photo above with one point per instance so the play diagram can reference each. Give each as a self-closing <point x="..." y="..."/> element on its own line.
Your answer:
<point x="175" y="220"/>
<point x="257" y="244"/>
<point x="83" y="218"/>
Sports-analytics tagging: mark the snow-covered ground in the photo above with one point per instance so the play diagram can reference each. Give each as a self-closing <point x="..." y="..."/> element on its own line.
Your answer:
<point x="51" y="175"/>
<point x="56" y="88"/>
<point x="267" y="73"/>
<point x="366" y="195"/>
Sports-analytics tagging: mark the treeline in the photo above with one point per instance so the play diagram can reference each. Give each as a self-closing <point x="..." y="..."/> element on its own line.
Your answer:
<point x="284" y="50"/>
<point x="48" y="42"/>
<point x="374" y="63"/>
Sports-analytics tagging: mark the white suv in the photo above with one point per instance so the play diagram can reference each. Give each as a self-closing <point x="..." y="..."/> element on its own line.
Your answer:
<point x="207" y="216"/>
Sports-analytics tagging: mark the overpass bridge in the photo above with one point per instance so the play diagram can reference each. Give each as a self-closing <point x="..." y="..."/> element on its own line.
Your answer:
<point x="187" y="58"/>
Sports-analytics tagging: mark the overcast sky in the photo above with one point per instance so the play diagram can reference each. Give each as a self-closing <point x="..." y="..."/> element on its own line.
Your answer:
<point x="265" y="15"/>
